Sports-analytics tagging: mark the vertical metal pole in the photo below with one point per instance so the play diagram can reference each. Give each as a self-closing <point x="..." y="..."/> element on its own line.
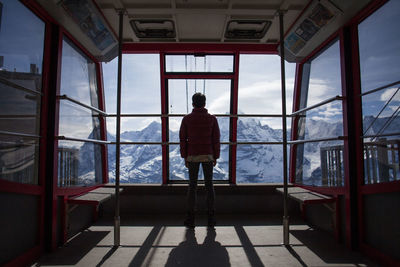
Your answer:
<point x="284" y="131"/>
<point x="117" y="221"/>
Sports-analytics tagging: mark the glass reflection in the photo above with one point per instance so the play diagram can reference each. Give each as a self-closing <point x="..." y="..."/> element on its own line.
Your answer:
<point x="79" y="164"/>
<point x="21" y="45"/>
<point x="379" y="56"/>
<point x="139" y="164"/>
<point x="78" y="122"/>
<point x="78" y="75"/>
<point x="320" y="163"/>
<point x="191" y="63"/>
<point x="178" y="171"/>
<point x="19" y="110"/>
<point x="381" y="160"/>
<point x="19" y="160"/>
<point x="381" y="113"/>
<point x="325" y="76"/>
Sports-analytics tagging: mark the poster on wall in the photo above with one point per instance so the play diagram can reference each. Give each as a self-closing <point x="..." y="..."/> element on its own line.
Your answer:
<point x="86" y="16"/>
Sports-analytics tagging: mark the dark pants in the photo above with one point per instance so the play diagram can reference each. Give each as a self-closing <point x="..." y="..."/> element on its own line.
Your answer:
<point x="208" y="176"/>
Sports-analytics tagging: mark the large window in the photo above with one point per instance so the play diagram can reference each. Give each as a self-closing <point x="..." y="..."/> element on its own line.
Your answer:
<point x="79" y="156"/>
<point x="140" y="158"/>
<point x="380" y="86"/>
<point x="319" y="159"/>
<point x="21" y="58"/>
<point x="218" y="94"/>
<point x="259" y="127"/>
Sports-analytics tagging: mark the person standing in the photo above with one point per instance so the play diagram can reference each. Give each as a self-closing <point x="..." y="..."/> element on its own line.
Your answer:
<point x="200" y="144"/>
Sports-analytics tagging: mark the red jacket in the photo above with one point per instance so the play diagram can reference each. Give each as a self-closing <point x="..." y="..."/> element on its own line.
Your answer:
<point x="199" y="134"/>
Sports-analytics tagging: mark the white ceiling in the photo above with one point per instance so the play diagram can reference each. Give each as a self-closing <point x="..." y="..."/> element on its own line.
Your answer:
<point x="205" y="21"/>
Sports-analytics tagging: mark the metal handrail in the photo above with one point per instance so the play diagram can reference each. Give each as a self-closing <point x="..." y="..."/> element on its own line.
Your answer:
<point x="16" y="86"/>
<point x="33" y="136"/>
<point x="102" y="142"/>
<point x="338" y="97"/>
<point x="379" y="88"/>
<point x="372" y="136"/>
<point x="82" y="104"/>
<point x="295" y="142"/>
<point x="177" y="143"/>
<point x="182" y="115"/>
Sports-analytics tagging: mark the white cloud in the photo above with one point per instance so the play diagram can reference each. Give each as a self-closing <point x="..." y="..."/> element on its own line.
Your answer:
<point x="387" y="94"/>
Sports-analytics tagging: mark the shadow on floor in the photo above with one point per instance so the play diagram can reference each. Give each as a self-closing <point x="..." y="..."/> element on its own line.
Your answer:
<point x="190" y="253"/>
<point x="323" y="245"/>
<point x="75" y="249"/>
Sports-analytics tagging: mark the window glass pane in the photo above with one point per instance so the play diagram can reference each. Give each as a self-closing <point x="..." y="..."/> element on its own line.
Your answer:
<point x="178" y="171"/>
<point x="139" y="164"/>
<point x="19" y="110"/>
<point x="19" y="159"/>
<point x="320" y="164"/>
<point x="322" y="80"/>
<point x="322" y="122"/>
<point x="217" y="93"/>
<point x="79" y="164"/>
<point x="21" y="45"/>
<point x="259" y="164"/>
<point x="381" y="160"/>
<point x="21" y="58"/>
<point x="191" y="63"/>
<point x="259" y="129"/>
<point x="381" y="112"/>
<point x="141" y="91"/>
<point x="78" y="75"/>
<point x="379" y="67"/>
<point x="175" y="124"/>
<point x="325" y="76"/>
<point x="260" y="84"/>
<point x="79" y="122"/>
<point x="379" y="45"/>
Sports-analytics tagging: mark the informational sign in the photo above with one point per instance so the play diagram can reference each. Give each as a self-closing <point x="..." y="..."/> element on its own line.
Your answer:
<point x="89" y="20"/>
<point x="319" y="16"/>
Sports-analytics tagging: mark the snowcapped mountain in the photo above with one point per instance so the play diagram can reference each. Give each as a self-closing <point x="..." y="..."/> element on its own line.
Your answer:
<point x="255" y="163"/>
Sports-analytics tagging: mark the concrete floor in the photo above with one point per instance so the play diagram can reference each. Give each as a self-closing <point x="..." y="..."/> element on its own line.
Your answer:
<point x="237" y="241"/>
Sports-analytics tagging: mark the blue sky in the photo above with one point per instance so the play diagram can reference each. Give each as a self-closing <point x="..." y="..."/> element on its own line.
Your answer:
<point x="259" y="89"/>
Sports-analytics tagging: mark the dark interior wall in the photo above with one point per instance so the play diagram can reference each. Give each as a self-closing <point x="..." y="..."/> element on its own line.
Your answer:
<point x="319" y="216"/>
<point x="18" y="224"/>
<point x="171" y="199"/>
<point x="382" y="222"/>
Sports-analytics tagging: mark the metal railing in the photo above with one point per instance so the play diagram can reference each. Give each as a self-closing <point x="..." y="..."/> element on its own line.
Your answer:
<point x="68" y="164"/>
<point x="381" y="163"/>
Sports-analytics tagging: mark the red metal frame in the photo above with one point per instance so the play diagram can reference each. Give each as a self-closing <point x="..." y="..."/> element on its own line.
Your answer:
<point x="39" y="189"/>
<point x="388" y="187"/>
<point x="103" y="126"/>
<point x="198" y="76"/>
<point x="164" y="120"/>
<point x="191" y="48"/>
<point x="295" y="121"/>
<point x="235" y="97"/>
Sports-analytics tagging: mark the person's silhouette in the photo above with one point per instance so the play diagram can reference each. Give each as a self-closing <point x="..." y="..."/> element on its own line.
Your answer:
<point x="199" y="144"/>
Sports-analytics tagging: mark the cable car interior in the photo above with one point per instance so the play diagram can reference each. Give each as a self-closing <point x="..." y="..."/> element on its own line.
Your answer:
<point x="306" y="94"/>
